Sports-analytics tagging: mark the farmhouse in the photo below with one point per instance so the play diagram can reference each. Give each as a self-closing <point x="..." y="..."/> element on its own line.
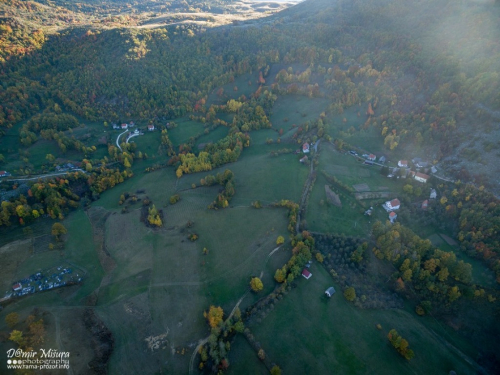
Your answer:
<point x="151" y="128"/>
<point x="330" y="291"/>
<point x="305" y="148"/>
<point x="17" y="287"/>
<point x="403" y="163"/>
<point x="124" y="126"/>
<point x="425" y="204"/>
<point x="392" y="216"/>
<point x="372" y="157"/>
<point x="4" y="174"/>
<point x="433" y="194"/>
<point x="392" y="205"/>
<point x="421" y="177"/>
<point x="306" y="273"/>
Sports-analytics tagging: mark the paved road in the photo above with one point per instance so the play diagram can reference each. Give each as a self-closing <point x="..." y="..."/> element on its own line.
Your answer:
<point x="118" y="139"/>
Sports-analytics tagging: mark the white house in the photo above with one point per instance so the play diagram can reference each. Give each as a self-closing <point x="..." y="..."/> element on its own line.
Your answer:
<point x="305" y="148"/>
<point x="392" y="205"/>
<point x="433" y="194"/>
<point x="151" y="128"/>
<point x="372" y="157"/>
<point x="421" y="177"/>
<point x="392" y="216"/>
<point x="403" y="163"/>
<point x="124" y="126"/>
<point x="330" y="291"/>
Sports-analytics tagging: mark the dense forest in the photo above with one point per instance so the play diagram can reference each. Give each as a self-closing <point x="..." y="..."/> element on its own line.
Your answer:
<point x="426" y="87"/>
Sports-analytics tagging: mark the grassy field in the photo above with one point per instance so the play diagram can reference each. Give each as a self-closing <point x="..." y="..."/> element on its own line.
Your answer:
<point x="170" y="274"/>
<point x="322" y="216"/>
<point x="185" y="129"/>
<point x="296" y="109"/>
<point x="213" y="136"/>
<point x="332" y="336"/>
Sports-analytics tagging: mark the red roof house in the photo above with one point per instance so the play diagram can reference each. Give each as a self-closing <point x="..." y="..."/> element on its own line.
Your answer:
<point x="425" y="204"/>
<point x="124" y="126"/>
<point x="403" y="163"/>
<point x="392" y="216"/>
<point x="372" y="157"/>
<point x="306" y="273"/>
<point x="305" y="148"/>
<point x="392" y="205"/>
<point x="3" y="173"/>
<point x="421" y="177"/>
<point x="17" y="287"/>
<point x="151" y="128"/>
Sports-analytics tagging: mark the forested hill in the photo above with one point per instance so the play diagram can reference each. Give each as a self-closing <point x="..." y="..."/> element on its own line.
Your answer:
<point x="430" y="66"/>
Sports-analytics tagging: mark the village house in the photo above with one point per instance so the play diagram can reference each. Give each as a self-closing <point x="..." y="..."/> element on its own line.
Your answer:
<point x="304" y="159"/>
<point x="425" y="204"/>
<point x="330" y="291"/>
<point x="381" y="159"/>
<point x="392" y="205"/>
<point x="433" y="169"/>
<point x="421" y="177"/>
<point x="305" y="148"/>
<point x="372" y="157"/>
<point x="151" y="128"/>
<point x="433" y="194"/>
<point x="306" y="273"/>
<point x="4" y="174"/>
<point x="392" y="217"/>
<point x="403" y="163"/>
<point x="17" y="287"/>
<point x="124" y="126"/>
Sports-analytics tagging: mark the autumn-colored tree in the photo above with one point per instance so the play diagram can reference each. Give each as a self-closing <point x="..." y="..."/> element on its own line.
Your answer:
<point x="18" y="338"/>
<point x="280" y="240"/>
<point x="256" y="284"/>
<point x="37" y="332"/>
<point x="154" y="217"/>
<point x="12" y="319"/>
<point x="275" y="370"/>
<point x="214" y="316"/>
<point x="175" y="198"/>
<point x="400" y="344"/>
<point x="280" y="275"/>
<point x="57" y="230"/>
<point x="319" y="257"/>
<point x="261" y="354"/>
<point x="350" y="294"/>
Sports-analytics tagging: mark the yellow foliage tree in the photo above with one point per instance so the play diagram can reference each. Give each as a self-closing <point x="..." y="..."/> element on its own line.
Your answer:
<point x="256" y="284"/>
<point x="214" y="316"/>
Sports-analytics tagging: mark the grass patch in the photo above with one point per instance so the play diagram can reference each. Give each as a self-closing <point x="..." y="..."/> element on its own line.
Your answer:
<point x="185" y="129"/>
<point x="333" y="334"/>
